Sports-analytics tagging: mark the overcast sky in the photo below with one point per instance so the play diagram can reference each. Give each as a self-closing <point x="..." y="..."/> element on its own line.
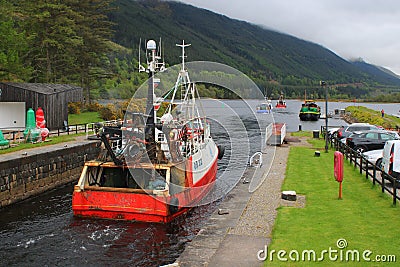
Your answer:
<point x="367" y="29"/>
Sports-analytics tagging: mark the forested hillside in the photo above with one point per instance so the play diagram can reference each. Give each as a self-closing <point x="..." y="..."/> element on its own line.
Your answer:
<point x="218" y="38"/>
<point x="95" y="43"/>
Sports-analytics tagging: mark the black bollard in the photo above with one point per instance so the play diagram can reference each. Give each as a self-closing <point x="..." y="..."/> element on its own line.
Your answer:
<point x="299" y="127"/>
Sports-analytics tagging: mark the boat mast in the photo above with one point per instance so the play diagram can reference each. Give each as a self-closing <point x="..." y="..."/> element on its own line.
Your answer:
<point x="183" y="79"/>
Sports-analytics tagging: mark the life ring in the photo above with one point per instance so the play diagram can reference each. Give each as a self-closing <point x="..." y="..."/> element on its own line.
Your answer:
<point x="173" y="205"/>
<point x="221" y="151"/>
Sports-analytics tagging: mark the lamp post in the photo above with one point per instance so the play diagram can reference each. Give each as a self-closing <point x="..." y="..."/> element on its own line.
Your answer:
<point x="323" y="85"/>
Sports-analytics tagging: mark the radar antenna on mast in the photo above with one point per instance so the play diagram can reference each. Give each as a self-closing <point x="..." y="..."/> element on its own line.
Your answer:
<point x="156" y="60"/>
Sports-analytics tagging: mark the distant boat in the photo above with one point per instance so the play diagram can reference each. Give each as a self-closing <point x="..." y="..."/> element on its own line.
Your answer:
<point x="281" y="102"/>
<point x="338" y="113"/>
<point x="264" y="107"/>
<point x="309" y="111"/>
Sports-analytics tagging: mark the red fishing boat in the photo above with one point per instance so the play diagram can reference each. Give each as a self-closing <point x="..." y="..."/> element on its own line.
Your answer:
<point x="281" y="102"/>
<point x="155" y="169"/>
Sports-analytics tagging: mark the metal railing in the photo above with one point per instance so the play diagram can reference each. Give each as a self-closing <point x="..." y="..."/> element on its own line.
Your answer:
<point x="369" y="169"/>
<point x="17" y="135"/>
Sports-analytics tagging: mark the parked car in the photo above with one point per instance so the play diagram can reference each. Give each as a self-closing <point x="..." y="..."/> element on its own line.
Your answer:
<point x="374" y="157"/>
<point x="332" y="132"/>
<point x="391" y="159"/>
<point x="396" y="134"/>
<point x="369" y="140"/>
<point x="346" y="131"/>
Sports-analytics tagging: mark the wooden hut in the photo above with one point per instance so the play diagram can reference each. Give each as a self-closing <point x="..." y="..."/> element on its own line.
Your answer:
<point x="52" y="98"/>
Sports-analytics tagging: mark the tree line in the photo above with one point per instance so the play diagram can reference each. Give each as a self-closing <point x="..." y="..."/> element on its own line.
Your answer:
<point x="72" y="41"/>
<point x="51" y="41"/>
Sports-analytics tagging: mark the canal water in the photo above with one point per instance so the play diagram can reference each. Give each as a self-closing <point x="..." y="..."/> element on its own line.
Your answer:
<point x="42" y="231"/>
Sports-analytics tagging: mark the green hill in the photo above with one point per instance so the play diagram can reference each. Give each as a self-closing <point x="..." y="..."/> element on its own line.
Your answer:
<point x="261" y="53"/>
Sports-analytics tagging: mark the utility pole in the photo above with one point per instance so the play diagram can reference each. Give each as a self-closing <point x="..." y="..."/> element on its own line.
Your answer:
<point x="323" y="85"/>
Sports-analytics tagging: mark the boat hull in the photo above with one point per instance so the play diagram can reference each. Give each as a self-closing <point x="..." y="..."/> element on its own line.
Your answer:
<point x="264" y="111"/>
<point x="308" y="116"/>
<point x="142" y="206"/>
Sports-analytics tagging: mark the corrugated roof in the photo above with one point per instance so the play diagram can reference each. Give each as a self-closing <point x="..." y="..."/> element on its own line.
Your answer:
<point x="45" y="88"/>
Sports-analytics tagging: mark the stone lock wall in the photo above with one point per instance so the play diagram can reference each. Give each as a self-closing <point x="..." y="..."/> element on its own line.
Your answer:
<point x="27" y="174"/>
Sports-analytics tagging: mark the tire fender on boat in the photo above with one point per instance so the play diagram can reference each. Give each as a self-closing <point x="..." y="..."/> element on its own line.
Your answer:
<point x="221" y="151"/>
<point x="173" y="205"/>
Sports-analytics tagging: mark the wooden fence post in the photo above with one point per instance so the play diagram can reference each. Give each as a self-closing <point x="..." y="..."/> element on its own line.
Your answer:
<point x="383" y="184"/>
<point x="374" y="177"/>
<point x="394" y="191"/>
<point x="351" y="157"/>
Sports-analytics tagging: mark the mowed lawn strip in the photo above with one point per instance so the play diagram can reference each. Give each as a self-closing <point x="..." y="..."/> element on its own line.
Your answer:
<point x="364" y="217"/>
<point x="83" y="118"/>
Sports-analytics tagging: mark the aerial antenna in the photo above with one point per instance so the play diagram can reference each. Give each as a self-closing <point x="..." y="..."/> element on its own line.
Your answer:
<point x="141" y="68"/>
<point x="147" y="58"/>
<point x="163" y="59"/>
<point x="159" y="49"/>
<point x="160" y="57"/>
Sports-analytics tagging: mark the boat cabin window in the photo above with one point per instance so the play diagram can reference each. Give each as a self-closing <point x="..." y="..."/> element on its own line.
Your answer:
<point x="122" y="178"/>
<point x="116" y="177"/>
<point x="111" y="177"/>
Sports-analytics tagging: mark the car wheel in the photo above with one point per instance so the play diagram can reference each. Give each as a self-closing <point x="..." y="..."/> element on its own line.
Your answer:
<point x="379" y="163"/>
<point x="360" y="149"/>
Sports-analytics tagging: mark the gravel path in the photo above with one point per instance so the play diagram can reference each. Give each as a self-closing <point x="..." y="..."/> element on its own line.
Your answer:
<point x="235" y="238"/>
<point x="259" y="215"/>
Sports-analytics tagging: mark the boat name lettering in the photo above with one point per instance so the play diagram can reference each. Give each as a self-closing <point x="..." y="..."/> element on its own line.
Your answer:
<point x="197" y="163"/>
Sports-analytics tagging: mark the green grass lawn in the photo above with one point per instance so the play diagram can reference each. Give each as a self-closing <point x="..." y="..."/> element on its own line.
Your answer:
<point x="364" y="217"/>
<point x="83" y="118"/>
<point x="52" y="140"/>
<point x="302" y="134"/>
<point x="73" y="119"/>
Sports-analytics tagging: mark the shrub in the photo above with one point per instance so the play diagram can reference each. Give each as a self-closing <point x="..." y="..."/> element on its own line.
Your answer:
<point x="93" y="107"/>
<point x="108" y="112"/>
<point x="74" y="108"/>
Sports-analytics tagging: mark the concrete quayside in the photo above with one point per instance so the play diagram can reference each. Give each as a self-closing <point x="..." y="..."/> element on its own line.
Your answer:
<point x="242" y="225"/>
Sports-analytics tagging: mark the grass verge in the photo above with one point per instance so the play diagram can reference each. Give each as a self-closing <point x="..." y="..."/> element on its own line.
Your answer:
<point x="365" y="217"/>
<point x="83" y="118"/>
<point x="363" y="114"/>
<point x="51" y="141"/>
<point x="302" y="134"/>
